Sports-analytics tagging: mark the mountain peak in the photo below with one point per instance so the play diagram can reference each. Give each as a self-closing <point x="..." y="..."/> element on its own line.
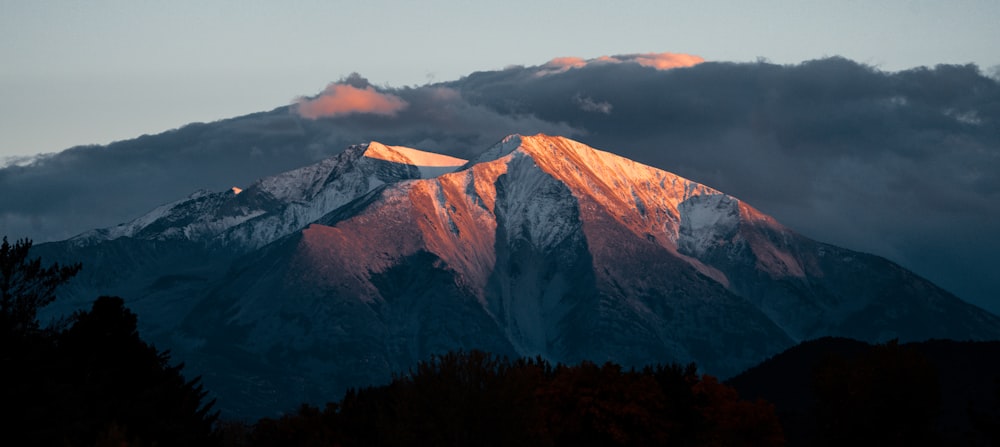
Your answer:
<point x="551" y="150"/>
<point x="504" y="147"/>
<point x="596" y="173"/>
<point x="535" y="146"/>
<point x="430" y="164"/>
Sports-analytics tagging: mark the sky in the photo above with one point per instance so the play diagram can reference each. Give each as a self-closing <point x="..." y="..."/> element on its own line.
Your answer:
<point x="94" y="72"/>
<point x="860" y="124"/>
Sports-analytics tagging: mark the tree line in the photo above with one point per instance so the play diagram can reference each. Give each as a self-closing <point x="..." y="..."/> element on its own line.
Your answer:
<point x="477" y="399"/>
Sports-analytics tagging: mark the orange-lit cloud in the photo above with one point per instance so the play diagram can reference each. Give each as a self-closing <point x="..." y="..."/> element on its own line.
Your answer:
<point x="566" y="62"/>
<point x="344" y="99"/>
<point x="659" y="61"/>
<point x="561" y="64"/>
<point x="665" y="61"/>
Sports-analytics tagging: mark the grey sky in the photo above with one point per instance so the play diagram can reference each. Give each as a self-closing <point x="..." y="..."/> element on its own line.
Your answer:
<point x="95" y="72"/>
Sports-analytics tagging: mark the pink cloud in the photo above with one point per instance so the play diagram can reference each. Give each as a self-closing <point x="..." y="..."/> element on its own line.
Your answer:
<point x="566" y="62"/>
<point x="344" y="99"/>
<point x="560" y="64"/>
<point x="665" y="61"/>
<point x="659" y="61"/>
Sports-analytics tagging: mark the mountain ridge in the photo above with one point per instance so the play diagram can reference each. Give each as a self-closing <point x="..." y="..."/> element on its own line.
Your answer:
<point x="303" y="194"/>
<point x="360" y="266"/>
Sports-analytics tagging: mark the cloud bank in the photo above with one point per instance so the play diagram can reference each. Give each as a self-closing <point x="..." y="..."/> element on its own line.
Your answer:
<point x="901" y="164"/>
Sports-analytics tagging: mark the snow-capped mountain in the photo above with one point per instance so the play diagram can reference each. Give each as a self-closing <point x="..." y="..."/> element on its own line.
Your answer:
<point x="342" y="273"/>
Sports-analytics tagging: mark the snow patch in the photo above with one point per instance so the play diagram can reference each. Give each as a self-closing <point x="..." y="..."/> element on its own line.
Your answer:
<point x="706" y="220"/>
<point x="430" y="164"/>
<point x="535" y="205"/>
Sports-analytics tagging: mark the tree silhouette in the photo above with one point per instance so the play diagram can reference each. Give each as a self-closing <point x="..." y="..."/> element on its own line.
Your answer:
<point x="119" y="379"/>
<point x="732" y="422"/>
<point x="26" y="286"/>
<point x="604" y="405"/>
<point x="97" y="382"/>
<point x="94" y="381"/>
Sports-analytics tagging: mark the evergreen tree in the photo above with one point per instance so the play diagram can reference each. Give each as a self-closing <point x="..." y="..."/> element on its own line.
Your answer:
<point x="26" y="286"/>
<point x="117" y="378"/>
<point x="94" y="382"/>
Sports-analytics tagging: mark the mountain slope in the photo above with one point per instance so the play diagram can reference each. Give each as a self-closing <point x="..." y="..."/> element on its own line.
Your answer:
<point x="341" y="273"/>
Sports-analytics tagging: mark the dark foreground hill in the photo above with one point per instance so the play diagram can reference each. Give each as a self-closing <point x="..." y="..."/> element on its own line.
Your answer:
<point x="837" y="391"/>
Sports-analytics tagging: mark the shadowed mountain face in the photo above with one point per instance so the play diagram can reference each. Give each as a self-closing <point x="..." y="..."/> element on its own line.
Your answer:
<point x="341" y="273"/>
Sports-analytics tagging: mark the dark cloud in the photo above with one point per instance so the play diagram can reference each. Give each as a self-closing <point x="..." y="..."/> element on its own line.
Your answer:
<point x="901" y="164"/>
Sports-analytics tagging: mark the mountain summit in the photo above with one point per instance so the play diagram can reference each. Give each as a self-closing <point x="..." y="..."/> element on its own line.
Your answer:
<point x="339" y="274"/>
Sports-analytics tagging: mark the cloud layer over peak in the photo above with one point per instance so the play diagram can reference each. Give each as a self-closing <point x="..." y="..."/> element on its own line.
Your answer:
<point x="901" y="164"/>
